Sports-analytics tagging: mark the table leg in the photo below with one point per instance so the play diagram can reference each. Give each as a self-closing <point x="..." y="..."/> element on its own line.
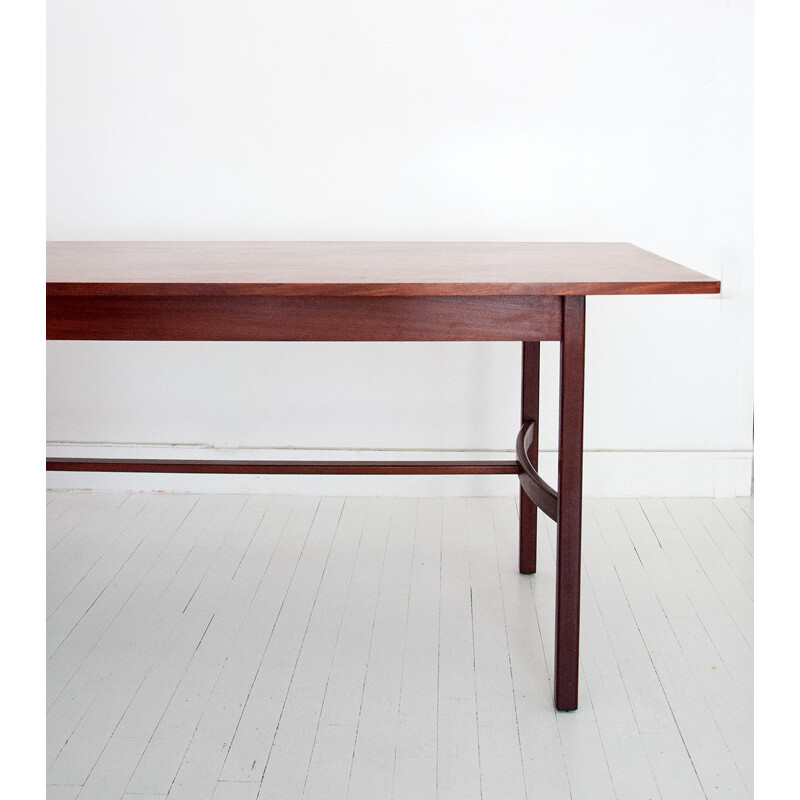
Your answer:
<point x="570" y="472"/>
<point x="530" y="412"/>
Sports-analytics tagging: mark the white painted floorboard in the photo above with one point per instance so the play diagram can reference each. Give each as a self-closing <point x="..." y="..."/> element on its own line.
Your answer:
<point x="232" y="647"/>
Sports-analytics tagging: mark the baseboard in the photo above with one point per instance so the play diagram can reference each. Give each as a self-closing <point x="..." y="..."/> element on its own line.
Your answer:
<point x="607" y="473"/>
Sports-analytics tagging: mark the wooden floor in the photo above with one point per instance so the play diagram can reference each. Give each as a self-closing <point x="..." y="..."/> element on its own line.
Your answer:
<point x="238" y="647"/>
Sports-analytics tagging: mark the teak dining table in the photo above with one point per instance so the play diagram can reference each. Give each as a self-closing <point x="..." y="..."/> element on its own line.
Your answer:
<point x="376" y="291"/>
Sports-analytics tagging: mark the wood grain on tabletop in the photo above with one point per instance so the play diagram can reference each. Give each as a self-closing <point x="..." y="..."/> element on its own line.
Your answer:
<point x="366" y="268"/>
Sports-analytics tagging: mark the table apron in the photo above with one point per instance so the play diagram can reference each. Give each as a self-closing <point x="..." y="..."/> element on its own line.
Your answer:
<point x="252" y="318"/>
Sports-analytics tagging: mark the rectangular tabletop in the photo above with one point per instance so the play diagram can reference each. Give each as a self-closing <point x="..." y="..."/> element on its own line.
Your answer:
<point x="363" y="269"/>
<point x="339" y="291"/>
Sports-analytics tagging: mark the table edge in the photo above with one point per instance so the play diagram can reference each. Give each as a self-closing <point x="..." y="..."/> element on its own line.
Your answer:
<point x="702" y="285"/>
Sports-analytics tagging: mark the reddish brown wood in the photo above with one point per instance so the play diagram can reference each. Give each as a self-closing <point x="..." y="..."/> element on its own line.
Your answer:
<point x="245" y="318"/>
<point x="529" y="414"/>
<point x="365" y="268"/>
<point x="375" y="291"/>
<point x="570" y="480"/>
<point x="535" y="489"/>
<point x="283" y="467"/>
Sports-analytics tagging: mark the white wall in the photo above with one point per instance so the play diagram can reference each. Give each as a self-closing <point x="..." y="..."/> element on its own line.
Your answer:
<point x="603" y="121"/>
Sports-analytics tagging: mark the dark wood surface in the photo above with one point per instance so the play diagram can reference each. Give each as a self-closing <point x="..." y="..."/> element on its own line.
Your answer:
<point x="570" y="496"/>
<point x="364" y="268"/>
<point x="242" y="467"/>
<point x="534" y="488"/>
<point x="529" y="408"/>
<point x="339" y="319"/>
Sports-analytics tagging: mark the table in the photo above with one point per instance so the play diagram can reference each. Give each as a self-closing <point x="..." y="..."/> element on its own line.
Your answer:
<point x="376" y="291"/>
